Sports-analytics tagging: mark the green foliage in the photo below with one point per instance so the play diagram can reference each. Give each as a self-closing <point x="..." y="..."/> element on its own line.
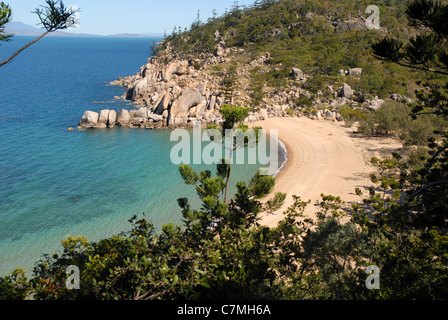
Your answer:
<point x="350" y="114"/>
<point x="417" y="158"/>
<point x="276" y="202"/>
<point x="300" y="34"/>
<point x="387" y="120"/>
<point x="55" y="16"/>
<point x="397" y="119"/>
<point x="257" y="95"/>
<point x="232" y="115"/>
<point x="428" y="49"/>
<point x="15" y="286"/>
<point x="261" y="184"/>
<point x="5" y="17"/>
<point x="412" y="250"/>
<point x="303" y="101"/>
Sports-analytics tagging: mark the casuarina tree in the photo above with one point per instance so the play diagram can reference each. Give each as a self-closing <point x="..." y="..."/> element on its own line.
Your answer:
<point x="54" y="16"/>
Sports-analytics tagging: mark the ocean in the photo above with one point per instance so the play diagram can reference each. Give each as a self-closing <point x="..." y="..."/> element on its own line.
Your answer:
<point x="54" y="182"/>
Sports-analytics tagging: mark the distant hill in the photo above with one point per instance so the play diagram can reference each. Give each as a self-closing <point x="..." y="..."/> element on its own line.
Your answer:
<point x="22" y="29"/>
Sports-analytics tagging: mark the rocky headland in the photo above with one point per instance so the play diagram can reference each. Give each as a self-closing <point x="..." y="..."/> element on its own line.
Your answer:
<point x="174" y="90"/>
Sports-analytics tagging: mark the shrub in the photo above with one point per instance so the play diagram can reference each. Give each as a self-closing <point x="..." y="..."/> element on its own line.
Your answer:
<point x="350" y="115"/>
<point x="390" y="119"/>
<point x="261" y="184"/>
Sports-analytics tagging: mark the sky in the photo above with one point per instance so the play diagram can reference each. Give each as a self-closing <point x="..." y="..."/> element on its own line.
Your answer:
<point x="107" y="17"/>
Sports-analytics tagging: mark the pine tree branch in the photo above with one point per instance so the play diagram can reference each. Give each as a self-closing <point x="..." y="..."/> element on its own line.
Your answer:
<point x="422" y="189"/>
<point x="412" y="66"/>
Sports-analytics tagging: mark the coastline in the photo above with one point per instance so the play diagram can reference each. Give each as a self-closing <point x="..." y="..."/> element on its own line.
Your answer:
<point x="285" y="161"/>
<point x="322" y="157"/>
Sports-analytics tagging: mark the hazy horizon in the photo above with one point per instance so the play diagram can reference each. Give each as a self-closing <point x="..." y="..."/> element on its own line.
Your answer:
<point x="18" y="28"/>
<point x="129" y="17"/>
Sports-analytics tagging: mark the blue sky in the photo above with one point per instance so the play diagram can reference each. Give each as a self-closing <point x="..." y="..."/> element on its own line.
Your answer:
<point x="105" y="17"/>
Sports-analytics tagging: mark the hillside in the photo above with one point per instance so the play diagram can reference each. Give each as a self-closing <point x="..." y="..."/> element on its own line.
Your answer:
<point x="286" y="57"/>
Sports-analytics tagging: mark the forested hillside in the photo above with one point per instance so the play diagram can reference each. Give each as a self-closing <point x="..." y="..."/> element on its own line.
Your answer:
<point x="319" y="37"/>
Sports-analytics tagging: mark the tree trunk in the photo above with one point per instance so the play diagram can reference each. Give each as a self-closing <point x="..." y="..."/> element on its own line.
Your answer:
<point x="228" y="174"/>
<point x="29" y="44"/>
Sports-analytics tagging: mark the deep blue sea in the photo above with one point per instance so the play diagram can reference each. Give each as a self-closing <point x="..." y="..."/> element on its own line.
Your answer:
<point x="55" y="183"/>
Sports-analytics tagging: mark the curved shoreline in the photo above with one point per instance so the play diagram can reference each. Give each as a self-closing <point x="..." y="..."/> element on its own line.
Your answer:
<point x="285" y="161"/>
<point x="322" y="157"/>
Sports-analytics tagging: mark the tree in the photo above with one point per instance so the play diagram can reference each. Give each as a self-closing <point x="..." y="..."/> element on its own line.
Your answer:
<point x="261" y="184"/>
<point x="428" y="50"/>
<point x="54" y="16"/>
<point x="5" y="17"/>
<point x="232" y="115"/>
<point x="411" y="212"/>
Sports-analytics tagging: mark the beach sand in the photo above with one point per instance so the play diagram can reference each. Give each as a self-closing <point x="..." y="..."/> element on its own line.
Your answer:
<point x="323" y="157"/>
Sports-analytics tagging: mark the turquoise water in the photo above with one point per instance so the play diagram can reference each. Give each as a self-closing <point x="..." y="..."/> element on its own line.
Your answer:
<point x="55" y="183"/>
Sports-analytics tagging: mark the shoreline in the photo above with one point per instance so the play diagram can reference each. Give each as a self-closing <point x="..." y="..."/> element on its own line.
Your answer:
<point x="284" y="165"/>
<point x="289" y="157"/>
<point x="322" y="157"/>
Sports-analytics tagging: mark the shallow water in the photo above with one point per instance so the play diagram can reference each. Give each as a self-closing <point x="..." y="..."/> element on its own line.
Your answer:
<point x="54" y="182"/>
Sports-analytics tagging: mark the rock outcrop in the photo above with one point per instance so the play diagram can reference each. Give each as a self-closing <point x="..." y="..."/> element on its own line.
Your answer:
<point x="355" y="72"/>
<point x="112" y="118"/>
<point x="347" y="91"/>
<point x="123" y="118"/>
<point x="178" y="91"/>
<point x="375" y="104"/>
<point x="173" y="93"/>
<point x="89" y="120"/>
<point x="297" y="74"/>
<point x="180" y="108"/>
<point x="173" y="90"/>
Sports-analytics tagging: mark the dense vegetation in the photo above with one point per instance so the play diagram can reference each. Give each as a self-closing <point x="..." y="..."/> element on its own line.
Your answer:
<point x="311" y="35"/>
<point x="221" y="252"/>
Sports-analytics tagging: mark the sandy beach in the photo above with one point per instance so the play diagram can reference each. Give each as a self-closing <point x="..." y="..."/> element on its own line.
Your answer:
<point x="323" y="157"/>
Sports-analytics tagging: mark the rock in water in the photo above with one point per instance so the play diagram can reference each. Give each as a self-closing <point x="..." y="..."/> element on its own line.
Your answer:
<point x="140" y="89"/>
<point x="160" y="104"/>
<point x="112" y="119"/>
<point x="123" y="117"/>
<point x="155" y="117"/>
<point x="141" y="113"/>
<point x="104" y="116"/>
<point x="89" y="119"/>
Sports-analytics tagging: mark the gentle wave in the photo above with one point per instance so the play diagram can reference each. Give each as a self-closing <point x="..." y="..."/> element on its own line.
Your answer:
<point x="285" y="153"/>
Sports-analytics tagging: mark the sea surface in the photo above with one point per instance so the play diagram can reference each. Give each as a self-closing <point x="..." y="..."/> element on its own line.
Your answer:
<point x="55" y="182"/>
